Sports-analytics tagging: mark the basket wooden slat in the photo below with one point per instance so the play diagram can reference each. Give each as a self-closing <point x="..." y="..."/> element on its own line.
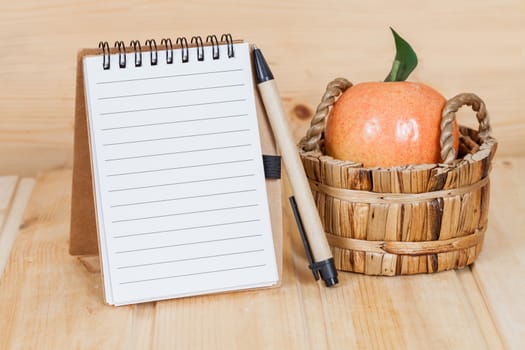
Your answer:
<point x="408" y="219"/>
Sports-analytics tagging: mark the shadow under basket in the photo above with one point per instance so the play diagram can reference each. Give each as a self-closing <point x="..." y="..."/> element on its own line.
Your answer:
<point x="407" y="219"/>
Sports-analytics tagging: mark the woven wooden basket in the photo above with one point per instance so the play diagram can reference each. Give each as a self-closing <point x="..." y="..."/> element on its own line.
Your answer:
<point x="407" y="219"/>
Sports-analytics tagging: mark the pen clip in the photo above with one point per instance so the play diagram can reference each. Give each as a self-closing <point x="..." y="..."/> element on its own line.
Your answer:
<point x="312" y="265"/>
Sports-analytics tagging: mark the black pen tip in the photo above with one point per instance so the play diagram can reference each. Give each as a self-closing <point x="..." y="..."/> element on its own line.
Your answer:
<point x="330" y="282"/>
<point x="262" y="71"/>
<point x="328" y="272"/>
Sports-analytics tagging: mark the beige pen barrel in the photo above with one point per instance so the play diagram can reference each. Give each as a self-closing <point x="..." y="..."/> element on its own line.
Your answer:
<point x="297" y="177"/>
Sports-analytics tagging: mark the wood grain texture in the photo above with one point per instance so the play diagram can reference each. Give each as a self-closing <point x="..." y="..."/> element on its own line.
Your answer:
<point x="462" y="46"/>
<point x="18" y="193"/>
<point x="481" y="310"/>
<point x="7" y="188"/>
<point x="58" y="298"/>
<point x="500" y="268"/>
<point x="401" y="313"/>
<point x="46" y="290"/>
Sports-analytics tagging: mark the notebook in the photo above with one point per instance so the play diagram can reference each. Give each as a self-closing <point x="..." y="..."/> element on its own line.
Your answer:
<point x="178" y="179"/>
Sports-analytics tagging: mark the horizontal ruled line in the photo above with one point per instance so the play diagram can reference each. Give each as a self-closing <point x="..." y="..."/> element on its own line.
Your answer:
<point x="194" y="274"/>
<point x="170" y="91"/>
<point x="179" y="152"/>
<point x="180" y="183"/>
<point x="169" y="76"/>
<point x="176" y="137"/>
<point x="182" y="167"/>
<point x="190" y="259"/>
<point x="172" y="107"/>
<point x="181" y="198"/>
<point x="188" y="243"/>
<point x="186" y="213"/>
<point x="186" y="228"/>
<point x="175" y="122"/>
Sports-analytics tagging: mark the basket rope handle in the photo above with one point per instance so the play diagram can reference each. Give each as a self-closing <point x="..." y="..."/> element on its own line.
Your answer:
<point x="334" y="89"/>
<point x="448" y="153"/>
<point x="313" y="139"/>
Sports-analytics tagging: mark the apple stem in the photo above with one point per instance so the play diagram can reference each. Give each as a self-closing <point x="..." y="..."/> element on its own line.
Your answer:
<point x="393" y="72"/>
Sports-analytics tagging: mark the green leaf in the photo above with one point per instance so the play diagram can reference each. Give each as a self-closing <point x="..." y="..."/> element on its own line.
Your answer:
<point x="404" y="62"/>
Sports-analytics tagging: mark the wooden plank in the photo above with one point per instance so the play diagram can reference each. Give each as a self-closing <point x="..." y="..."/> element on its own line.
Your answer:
<point x="316" y="330"/>
<point x="47" y="293"/>
<point x="489" y="328"/>
<point x="500" y="269"/>
<point x="7" y="188"/>
<point x="405" y="312"/>
<point x="13" y="219"/>
<point x="360" y="51"/>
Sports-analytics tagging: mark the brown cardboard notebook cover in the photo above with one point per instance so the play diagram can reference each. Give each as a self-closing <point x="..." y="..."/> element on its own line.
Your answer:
<point x="83" y="231"/>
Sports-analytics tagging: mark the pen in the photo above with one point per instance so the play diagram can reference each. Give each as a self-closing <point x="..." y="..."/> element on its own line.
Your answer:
<point x="323" y="261"/>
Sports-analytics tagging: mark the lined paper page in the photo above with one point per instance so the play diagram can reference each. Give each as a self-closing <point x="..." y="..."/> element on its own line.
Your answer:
<point x="179" y="182"/>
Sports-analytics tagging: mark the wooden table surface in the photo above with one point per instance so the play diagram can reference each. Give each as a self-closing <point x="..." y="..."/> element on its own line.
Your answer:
<point x="51" y="300"/>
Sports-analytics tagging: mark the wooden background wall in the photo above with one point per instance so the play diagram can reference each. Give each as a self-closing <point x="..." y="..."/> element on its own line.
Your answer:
<point x="476" y="46"/>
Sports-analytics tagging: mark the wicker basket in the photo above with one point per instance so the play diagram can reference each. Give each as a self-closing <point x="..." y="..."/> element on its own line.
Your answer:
<point x="409" y="219"/>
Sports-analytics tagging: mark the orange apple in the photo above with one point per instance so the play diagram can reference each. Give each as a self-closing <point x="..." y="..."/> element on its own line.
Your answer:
<point x="387" y="124"/>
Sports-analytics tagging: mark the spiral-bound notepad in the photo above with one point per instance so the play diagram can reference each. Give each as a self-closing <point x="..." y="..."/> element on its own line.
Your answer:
<point x="177" y="170"/>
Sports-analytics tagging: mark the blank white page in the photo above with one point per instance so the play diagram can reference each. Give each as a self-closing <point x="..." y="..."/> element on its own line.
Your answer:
<point x="178" y="176"/>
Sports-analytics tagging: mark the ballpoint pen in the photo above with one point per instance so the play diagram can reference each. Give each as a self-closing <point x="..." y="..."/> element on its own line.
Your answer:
<point x="305" y="211"/>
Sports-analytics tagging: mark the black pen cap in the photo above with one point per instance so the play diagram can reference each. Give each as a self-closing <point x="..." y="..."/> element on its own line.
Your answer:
<point x="262" y="71"/>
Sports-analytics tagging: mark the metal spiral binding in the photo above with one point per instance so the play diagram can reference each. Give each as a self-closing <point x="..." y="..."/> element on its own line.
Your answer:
<point x="169" y="50"/>
<point x="184" y="46"/>
<point x="105" y="54"/>
<point x="197" y="40"/>
<point x="153" y="54"/>
<point x="229" y="40"/>
<point x="167" y="44"/>
<point x="135" y="44"/>
<point x="121" y="56"/>
<point x="214" y="45"/>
